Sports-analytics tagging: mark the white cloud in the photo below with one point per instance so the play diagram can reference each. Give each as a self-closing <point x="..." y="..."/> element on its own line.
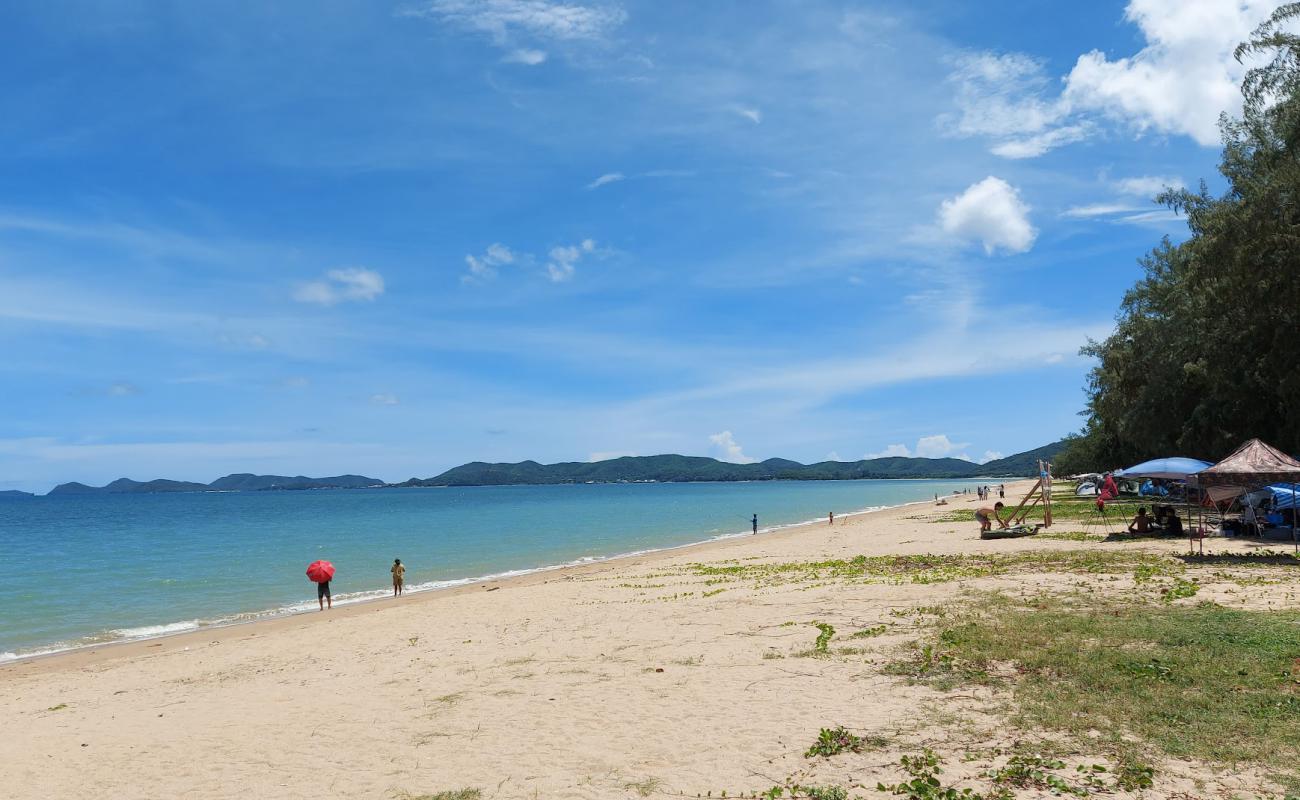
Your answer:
<point x="384" y="399"/>
<point x="1098" y="210"/>
<point x="1183" y="78"/>
<point x="1006" y="97"/>
<point x="1054" y="358"/>
<point x="990" y="455"/>
<point x="892" y="451"/>
<point x="937" y="446"/>
<point x="832" y="456"/>
<point x="754" y="115"/>
<point x="1148" y="186"/>
<point x="728" y="449"/>
<point x="339" y="285"/>
<point x="1001" y="95"/>
<point x="992" y="213"/>
<point x="122" y="390"/>
<point x="525" y="56"/>
<point x="608" y="177"/>
<point x="484" y="267"/>
<point x="606" y="455"/>
<point x="1038" y="144"/>
<point x="561" y="267"/>
<point x="542" y="19"/>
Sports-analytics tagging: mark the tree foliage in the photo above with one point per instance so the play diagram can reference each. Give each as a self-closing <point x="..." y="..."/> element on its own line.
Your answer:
<point x="1206" y="349"/>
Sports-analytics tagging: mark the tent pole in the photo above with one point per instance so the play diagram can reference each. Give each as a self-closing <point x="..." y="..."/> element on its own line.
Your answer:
<point x="1294" y="511"/>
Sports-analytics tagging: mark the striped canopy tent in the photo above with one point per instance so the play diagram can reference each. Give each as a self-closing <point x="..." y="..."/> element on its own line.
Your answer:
<point x="1251" y="466"/>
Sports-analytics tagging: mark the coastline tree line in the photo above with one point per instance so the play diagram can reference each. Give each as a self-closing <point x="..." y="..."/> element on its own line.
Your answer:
<point x="1206" y="350"/>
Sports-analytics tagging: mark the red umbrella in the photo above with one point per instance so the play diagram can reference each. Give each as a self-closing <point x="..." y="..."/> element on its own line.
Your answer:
<point x="320" y="571"/>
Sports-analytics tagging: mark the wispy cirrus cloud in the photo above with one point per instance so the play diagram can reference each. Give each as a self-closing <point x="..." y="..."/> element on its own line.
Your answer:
<point x="341" y="285"/>
<point x="607" y="178"/>
<point x="509" y="22"/>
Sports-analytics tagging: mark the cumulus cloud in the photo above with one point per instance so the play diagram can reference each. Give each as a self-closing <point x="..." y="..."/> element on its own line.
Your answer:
<point x="992" y="213"/>
<point x="563" y="260"/>
<point x="726" y="448"/>
<point x="990" y="455"/>
<point x="340" y="285"/>
<point x="608" y="177"/>
<point x="892" y="451"/>
<point x="505" y="20"/>
<point x="384" y="399"/>
<point x="1179" y="82"/>
<point x="525" y="56"/>
<point x="1183" y="78"/>
<point x="484" y="267"/>
<point x="937" y="446"/>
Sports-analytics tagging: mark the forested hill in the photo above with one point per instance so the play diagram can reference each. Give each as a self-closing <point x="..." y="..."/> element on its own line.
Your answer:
<point x="674" y="468"/>
<point x="240" y="482"/>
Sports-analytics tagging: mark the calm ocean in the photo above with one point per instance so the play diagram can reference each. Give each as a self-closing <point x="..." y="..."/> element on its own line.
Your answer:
<point x="91" y="569"/>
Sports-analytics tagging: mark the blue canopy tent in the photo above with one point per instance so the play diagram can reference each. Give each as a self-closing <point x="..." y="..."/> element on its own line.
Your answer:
<point x="1284" y="495"/>
<point x="1172" y="468"/>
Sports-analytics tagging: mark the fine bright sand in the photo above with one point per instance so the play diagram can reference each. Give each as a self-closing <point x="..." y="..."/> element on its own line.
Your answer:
<point x="635" y="677"/>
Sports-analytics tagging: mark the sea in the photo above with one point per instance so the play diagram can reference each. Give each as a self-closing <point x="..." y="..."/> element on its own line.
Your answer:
<point x="79" y="571"/>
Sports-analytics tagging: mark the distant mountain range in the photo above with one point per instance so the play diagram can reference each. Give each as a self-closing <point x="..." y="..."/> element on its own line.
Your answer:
<point x="629" y="469"/>
<point x="239" y="482"/>
<point x="14" y="493"/>
<point x="672" y="468"/>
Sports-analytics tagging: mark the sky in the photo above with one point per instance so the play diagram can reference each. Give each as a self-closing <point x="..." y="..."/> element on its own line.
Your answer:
<point x="388" y="238"/>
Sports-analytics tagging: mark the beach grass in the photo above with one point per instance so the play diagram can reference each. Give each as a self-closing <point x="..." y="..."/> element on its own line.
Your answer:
<point x="1191" y="681"/>
<point x="468" y="793"/>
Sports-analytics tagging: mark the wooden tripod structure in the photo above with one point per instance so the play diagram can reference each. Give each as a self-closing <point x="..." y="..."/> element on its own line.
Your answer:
<point x="1040" y="493"/>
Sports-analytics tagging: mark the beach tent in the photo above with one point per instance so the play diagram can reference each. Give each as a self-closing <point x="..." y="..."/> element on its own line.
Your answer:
<point x="1282" y="495"/>
<point x="1173" y="468"/>
<point x="1253" y="465"/>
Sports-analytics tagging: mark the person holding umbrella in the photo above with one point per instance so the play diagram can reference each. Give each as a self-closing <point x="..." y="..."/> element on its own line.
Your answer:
<point x="321" y="572"/>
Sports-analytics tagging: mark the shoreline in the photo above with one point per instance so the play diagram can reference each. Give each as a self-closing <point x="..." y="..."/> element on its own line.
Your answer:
<point x="369" y="598"/>
<point x="688" y="671"/>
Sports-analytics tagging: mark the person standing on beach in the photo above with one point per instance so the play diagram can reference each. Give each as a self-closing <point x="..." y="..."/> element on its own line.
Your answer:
<point x="323" y="595"/>
<point x="755" y="523"/>
<point x="1002" y="490"/>
<point x="399" y="573"/>
<point x="831" y="517"/>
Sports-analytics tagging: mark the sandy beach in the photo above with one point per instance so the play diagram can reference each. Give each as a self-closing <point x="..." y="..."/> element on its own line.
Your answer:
<point x="687" y="673"/>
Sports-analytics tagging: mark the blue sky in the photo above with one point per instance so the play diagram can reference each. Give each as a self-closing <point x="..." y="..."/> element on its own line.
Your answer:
<point x="392" y="237"/>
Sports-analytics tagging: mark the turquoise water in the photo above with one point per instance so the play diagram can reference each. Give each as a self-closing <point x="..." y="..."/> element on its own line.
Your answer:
<point x="86" y="570"/>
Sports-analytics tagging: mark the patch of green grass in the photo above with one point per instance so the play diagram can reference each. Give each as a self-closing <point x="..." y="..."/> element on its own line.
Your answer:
<point x="827" y="632"/>
<point x="925" y="783"/>
<point x="451" y="794"/>
<point x="1202" y="682"/>
<point x="833" y="741"/>
<point x="869" y="633"/>
<point x="930" y="568"/>
<point x="644" y="788"/>
<point x="1072" y="536"/>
